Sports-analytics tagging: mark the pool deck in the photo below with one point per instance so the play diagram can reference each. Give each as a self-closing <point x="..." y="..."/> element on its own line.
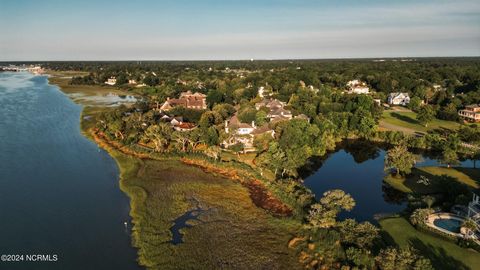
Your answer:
<point x="431" y="218"/>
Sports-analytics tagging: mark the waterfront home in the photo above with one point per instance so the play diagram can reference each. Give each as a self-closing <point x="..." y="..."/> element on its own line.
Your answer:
<point x="279" y="114"/>
<point x="270" y="103"/>
<point x="357" y="87"/>
<point x="398" y="98"/>
<point x="243" y="133"/>
<point x="131" y="81"/>
<point x="276" y="109"/>
<point x="188" y="100"/>
<point x="471" y="113"/>
<point x="111" y="81"/>
<point x="474" y="209"/>
<point x="239" y="127"/>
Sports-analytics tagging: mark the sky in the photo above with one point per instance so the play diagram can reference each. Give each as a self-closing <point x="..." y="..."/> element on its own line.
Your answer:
<point x="40" y="30"/>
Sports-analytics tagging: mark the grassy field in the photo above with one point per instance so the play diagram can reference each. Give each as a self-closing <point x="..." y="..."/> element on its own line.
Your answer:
<point x="468" y="176"/>
<point x="407" y="121"/>
<point x="443" y="254"/>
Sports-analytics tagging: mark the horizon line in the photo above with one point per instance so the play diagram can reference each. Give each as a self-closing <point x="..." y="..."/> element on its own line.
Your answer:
<point x="248" y="60"/>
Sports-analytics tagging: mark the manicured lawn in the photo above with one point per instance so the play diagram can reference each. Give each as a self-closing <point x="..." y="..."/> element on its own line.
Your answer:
<point x="443" y="254"/>
<point x="408" y="120"/>
<point x="467" y="176"/>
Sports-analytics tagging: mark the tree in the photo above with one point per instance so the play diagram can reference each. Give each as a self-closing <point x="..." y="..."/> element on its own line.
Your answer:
<point x="470" y="225"/>
<point x="400" y="159"/>
<point x="425" y="115"/>
<point x="402" y="259"/>
<point x="360" y="257"/>
<point x="237" y="148"/>
<point x="151" y="80"/>
<point x="121" y="79"/>
<point x="449" y="157"/>
<point x="324" y="213"/>
<point x="273" y="159"/>
<point x="182" y="141"/>
<point x="419" y="215"/>
<point x="362" y="234"/>
<point x="210" y="118"/>
<point x="214" y="96"/>
<point x="415" y="102"/>
<point x="213" y="152"/>
<point x="260" y="117"/>
<point x="247" y="115"/>
<point x="160" y="135"/>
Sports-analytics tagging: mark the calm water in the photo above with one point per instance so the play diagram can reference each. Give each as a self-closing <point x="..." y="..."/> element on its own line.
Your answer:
<point x="358" y="169"/>
<point x="59" y="193"/>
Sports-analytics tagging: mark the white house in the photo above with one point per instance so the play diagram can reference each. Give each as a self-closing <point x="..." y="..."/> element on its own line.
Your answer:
<point x="111" y="81"/>
<point x="398" y="99"/>
<point x="474" y="209"/>
<point x="357" y="87"/>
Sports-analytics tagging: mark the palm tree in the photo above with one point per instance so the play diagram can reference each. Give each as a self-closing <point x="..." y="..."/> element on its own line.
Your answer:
<point x="470" y="225"/>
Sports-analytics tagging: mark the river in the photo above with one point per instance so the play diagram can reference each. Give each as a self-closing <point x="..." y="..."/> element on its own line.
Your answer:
<point x="59" y="192"/>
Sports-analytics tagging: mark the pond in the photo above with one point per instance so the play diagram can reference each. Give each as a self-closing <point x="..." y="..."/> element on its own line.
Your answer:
<point x="109" y="100"/>
<point x="357" y="167"/>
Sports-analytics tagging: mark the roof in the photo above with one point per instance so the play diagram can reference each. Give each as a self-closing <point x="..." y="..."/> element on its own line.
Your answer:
<point x="235" y="123"/>
<point x="263" y="129"/>
<point x="280" y="112"/>
<point x="185" y="125"/>
<point x="396" y="94"/>
<point x="473" y="106"/>
<point x="302" y="116"/>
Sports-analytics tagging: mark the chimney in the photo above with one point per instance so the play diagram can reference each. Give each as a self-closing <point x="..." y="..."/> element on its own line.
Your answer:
<point x="253" y="124"/>
<point x="226" y="126"/>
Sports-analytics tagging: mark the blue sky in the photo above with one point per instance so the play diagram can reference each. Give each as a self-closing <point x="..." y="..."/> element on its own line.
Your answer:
<point x="243" y="29"/>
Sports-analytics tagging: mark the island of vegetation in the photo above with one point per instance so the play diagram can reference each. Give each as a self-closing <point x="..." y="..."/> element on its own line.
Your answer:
<point x="228" y="143"/>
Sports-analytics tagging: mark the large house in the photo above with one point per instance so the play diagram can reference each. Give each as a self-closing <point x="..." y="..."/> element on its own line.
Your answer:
<point x="177" y="122"/>
<point x="188" y="100"/>
<point x="471" y="113"/>
<point x="243" y="133"/>
<point x="357" y="87"/>
<point x="398" y="99"/>
<point x="276" y="109"/>
<point x="111" y="81"/>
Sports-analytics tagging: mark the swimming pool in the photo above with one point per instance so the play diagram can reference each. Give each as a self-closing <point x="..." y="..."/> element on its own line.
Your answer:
<point x="450" y="224"/>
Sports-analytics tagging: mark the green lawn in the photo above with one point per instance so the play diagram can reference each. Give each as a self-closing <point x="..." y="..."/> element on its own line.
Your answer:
<point x="467" y="176"/>
<point x="407" y="120"/>
<point x="443" y="254"/>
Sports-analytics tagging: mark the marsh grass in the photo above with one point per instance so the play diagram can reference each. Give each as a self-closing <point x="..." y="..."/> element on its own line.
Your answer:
<point x="232" y="234"/>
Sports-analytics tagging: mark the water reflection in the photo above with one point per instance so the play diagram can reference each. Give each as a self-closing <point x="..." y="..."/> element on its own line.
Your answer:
<point x="357" y="167"/>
